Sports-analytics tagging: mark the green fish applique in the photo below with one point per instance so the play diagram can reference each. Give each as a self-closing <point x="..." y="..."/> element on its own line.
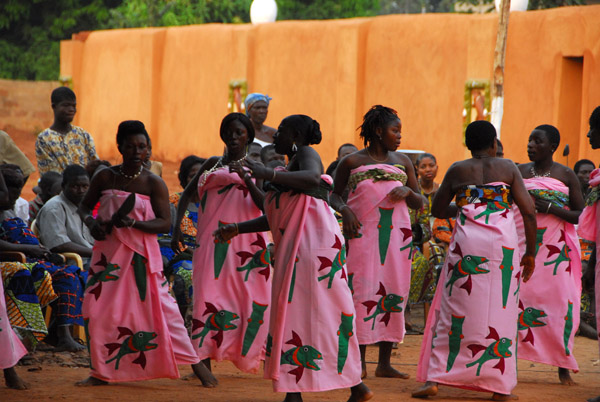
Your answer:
<point x="568" y="326"/>
<point x="336" y="265"/>
<point x="344" y="334"/>
<point x="218" y="320"/>
<point x="255" y="321"/>
<point x="455" y="336"/>
<point x="385" y="231"/>
<point x="563" y="254"/>
<point x="138" y="342"/>
<point x="386" y="305"/>
<point x="106" y="275"/>
<point x="530" y="318"/>
<point x="467" y="265"/>
<point x="301" y="356"/>
<point x="220" y="253"/>
<point x="498" y="350"/>
<point x="260" y="259"/>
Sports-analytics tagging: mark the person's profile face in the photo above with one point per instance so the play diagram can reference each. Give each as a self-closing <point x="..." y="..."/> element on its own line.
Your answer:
<point x="594" y="137"/>
<point x="283" y="140"/>
<point x="391" y="135"/>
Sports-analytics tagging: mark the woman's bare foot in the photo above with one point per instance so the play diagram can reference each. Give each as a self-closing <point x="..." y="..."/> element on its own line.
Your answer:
<point x="429" y="389"/>
<point x="360" y="393"/>
<point x="90" y="382"/>
<point x="205" y="375"/>
<point x="12" y="379"/>
<point x="66" y="341"/>
<point x="565" y="377"/>
<point x="390" y="372"/>
<point x="503" y="397"/>
<point x="293" y="397"/>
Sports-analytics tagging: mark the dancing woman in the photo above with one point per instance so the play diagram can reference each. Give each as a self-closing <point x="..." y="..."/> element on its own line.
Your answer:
<point x="549" y="303"/>
<point x="311" y="345"/>
<point x="232" y="281"/>
<point x="135" y="331"/>
<point x="376" y="221"/>
<point x="471" y="333"/>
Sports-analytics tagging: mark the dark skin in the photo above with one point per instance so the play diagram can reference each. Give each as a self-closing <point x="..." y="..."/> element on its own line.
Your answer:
<point x="427" y="170"/>
<point x="134" y="150"/>
<point x="540" y="152"/>
<point x="74" y="191"/>
<point x="258" y="114"/>
<point x="484" y="168"/>
<point x="381" y="149"/>
<point x="304" y="173"/>
<point x="236" y="140"/>
<point x="64" y="112"/>
<point x="594" y="138"/>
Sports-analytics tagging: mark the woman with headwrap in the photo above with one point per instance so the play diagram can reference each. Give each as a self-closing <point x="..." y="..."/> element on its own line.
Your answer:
<point x="257" y="108"/>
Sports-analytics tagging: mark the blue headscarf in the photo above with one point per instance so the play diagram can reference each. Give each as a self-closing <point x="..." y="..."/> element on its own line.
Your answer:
<point x="251" y="99"/>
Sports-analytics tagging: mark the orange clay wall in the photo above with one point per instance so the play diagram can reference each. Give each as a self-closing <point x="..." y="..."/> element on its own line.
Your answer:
<point x="176" y="79"/>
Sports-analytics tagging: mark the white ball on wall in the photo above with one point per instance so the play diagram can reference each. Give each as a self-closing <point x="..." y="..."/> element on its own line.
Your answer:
<point x="262" y="11"/>
<point x="515" y="5"/>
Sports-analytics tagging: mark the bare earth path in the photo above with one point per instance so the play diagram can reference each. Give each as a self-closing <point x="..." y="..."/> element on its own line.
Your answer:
<point x="537" y="382"/>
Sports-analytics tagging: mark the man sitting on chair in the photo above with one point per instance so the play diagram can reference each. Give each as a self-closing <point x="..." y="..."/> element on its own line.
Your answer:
<point x="60" y="227"/>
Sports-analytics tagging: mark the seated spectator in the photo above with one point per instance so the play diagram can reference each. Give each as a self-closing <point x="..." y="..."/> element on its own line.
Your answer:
<point x="63" y="144"/>
<point x="49" y="187"/>
<point x="254" y="150"/>
<point x="68" y="282"/>
<point x="60" y="226"/>
<point x="582" y="169"/>
<point x="181" y="265"/>
<point x="153" y="166"/>
<point x="343" y="150"/>
<point x="270" y="158"/>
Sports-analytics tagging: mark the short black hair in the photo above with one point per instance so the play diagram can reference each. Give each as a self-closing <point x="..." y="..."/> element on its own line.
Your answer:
<point x="242" y="118"/>
<point x="11" y="173"/>
<point x="344" y="146"/>
<point x="131" y="127"/>
<point x="595" y="118"/>
<point x="62" y="93"/>
<point x="582" y="162"/>
<point x="480" y="135"/>
<point x="551" y="133"/>
<point x="425" y="155"/>
<point x="72" y="172"/>
<point x="48" y="179"/>
<point x="499" y="143"/>
<point x="186" y="165"/>
<point x="377" y="117"/>
<point x="306" y="126"/>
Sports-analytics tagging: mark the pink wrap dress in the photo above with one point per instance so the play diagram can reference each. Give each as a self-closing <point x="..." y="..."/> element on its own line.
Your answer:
<point x="11" y="348"/>
<point x="312" y="344"/>
<point x="550" y="301"/>
<point x="134" y="328"/>
<point x="232" y="281"/>
<point x="470" y="339"/>
<point x="379" y="261"/>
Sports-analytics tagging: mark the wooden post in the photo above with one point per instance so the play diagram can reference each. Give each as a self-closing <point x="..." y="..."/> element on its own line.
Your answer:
<point x="499" y="56"/>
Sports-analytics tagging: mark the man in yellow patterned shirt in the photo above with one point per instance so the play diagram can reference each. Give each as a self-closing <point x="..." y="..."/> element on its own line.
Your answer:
<point x="63" y="144"/>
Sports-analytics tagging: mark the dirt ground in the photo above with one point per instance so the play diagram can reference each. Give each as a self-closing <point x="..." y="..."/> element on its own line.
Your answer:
<point x="537" y="382"/>
<point x="52" y="376"/>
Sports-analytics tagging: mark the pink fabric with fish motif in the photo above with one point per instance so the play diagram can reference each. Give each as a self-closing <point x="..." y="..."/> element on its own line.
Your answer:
<point x="135" y="330"/>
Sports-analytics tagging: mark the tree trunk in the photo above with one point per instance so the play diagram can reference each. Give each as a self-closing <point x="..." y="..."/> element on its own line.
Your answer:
<point x="499" y="56"/>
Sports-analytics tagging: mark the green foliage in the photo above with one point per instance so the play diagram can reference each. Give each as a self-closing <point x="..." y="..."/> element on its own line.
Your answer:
<point x="325" y="9"/>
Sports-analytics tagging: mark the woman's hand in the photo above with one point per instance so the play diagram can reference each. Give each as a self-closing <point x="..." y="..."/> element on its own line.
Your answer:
<point x="542" y="206"/>
<point x="226" y="233"/>
<point x="37" y="251"/>
<point x="528" y="264"/>
<point x="124" y="222"/>
<point x="350" y="223"/>
<point x="237" y="167"/>
<point x="98" y="229"/>
<point x="399" y="193"/>
<point x="177" y="241"/>
<point x="258" y="170"/>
